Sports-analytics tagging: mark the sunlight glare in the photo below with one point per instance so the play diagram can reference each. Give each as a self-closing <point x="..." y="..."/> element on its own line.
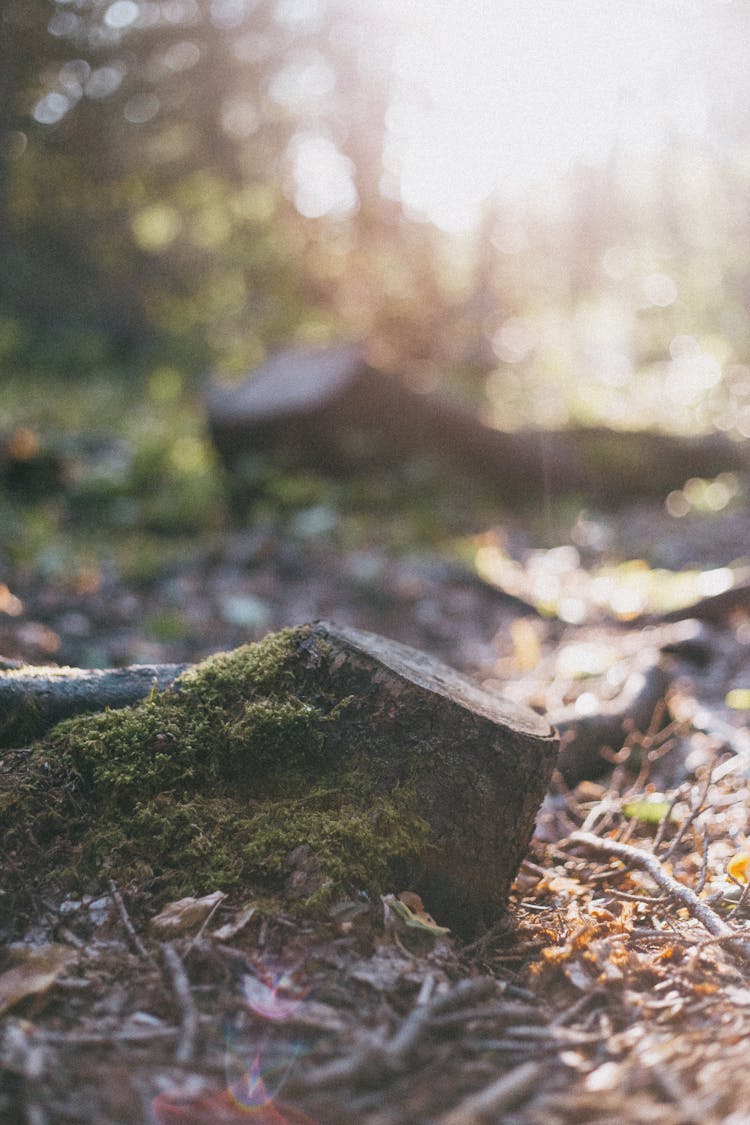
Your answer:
<point x="502" y="95"/>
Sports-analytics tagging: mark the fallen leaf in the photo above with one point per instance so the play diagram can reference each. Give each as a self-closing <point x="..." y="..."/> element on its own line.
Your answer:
<point x="184" y="915"/>
<point x="739" y="867"/>
<point x="651" y="809"/>
<point x="409" y="909"/>
<point x="36" y="972"/>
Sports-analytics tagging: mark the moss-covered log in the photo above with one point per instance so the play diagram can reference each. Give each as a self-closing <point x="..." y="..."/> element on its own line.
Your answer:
<point x="318" y="762"/>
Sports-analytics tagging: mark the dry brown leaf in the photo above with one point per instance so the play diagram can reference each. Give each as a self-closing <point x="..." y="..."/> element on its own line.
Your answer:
<point x="36" y="972"/>
<point x="184" y="915"/>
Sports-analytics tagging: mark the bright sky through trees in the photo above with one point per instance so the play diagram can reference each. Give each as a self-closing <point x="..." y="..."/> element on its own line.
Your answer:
<point x="506" y="95"/>
<point x="549" y="193"/>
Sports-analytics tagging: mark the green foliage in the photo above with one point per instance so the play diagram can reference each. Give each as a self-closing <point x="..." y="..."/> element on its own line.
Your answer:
<point x="153" y="218"/>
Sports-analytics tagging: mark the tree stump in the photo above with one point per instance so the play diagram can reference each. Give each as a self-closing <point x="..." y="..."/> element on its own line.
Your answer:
<point x="318" y="408"/>
<point x="391" y="769"/>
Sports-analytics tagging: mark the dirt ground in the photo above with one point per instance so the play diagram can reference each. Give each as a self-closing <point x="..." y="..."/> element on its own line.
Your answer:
<point x="615" y="989"/>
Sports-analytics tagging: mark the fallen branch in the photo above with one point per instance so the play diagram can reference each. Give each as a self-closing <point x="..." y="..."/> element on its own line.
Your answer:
<point x="33" y="699"/>
<point x="133" y="939"/>
<point x="646" y="861"/>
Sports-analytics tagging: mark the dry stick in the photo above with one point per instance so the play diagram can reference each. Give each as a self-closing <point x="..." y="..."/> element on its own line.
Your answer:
<point x="697" y="807"/>
<point x="504" y="1013"/>
<point x="645" y="861"/>
<point x="181" y="986"/>
<point x="503" y="1094"/>
<point x="741" y="900"/>
<point x="704" y="863"/>
<point x="665" y="820"/>
<point x="413" y="1027"/>
<point x="201" y="931"/>
<point x="130" y="930"/>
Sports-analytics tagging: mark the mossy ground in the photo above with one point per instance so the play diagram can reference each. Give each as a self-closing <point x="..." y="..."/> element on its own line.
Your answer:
<point x="211" y="786"/>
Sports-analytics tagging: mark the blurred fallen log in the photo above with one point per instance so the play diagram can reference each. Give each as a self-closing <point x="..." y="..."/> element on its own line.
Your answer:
<point x="715" y="608"/>
<point x="583" y="737"/>
<point x="329" y="410"/>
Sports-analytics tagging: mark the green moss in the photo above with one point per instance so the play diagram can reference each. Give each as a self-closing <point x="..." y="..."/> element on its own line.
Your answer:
<point x="213" y="784"/>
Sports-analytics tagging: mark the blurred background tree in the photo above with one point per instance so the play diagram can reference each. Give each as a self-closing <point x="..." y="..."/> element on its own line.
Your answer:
<point x="544" y="207"/>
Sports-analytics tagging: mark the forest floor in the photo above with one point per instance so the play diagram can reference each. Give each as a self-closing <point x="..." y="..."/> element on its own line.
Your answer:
<point x="617" y="986"/>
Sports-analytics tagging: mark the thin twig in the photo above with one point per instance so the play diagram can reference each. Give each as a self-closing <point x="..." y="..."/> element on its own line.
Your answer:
<point x="412" y="1028"/>
<point x="415" y="1026"/>
<point x="202" y="930"/>
<point x="665" y="821"/>
<point x="704" y="863"/>
<point x="698" y="807"/>
<point x="497" y="1013"/>
<point x="135" y="942"/>
<point x="647" y="933"/>
<point x="181" y="987"/>
<point x="737" y="906"/>
<point x="70" y="1038"/>
<point x="646" y="861"/>
<point x="506" y="1092"/>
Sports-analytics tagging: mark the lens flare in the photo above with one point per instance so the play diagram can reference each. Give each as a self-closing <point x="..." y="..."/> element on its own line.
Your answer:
<point x="256" y="1068"/>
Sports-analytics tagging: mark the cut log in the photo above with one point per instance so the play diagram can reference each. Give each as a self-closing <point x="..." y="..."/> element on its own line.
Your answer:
<point x="328" y="409"/>
<point x="409" y="759"/>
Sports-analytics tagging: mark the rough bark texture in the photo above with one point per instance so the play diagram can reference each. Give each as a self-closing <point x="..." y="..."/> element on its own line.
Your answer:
<point x="480" y="765"/>
<point x="34" y="699"/>
<point x="328" y="409"/>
